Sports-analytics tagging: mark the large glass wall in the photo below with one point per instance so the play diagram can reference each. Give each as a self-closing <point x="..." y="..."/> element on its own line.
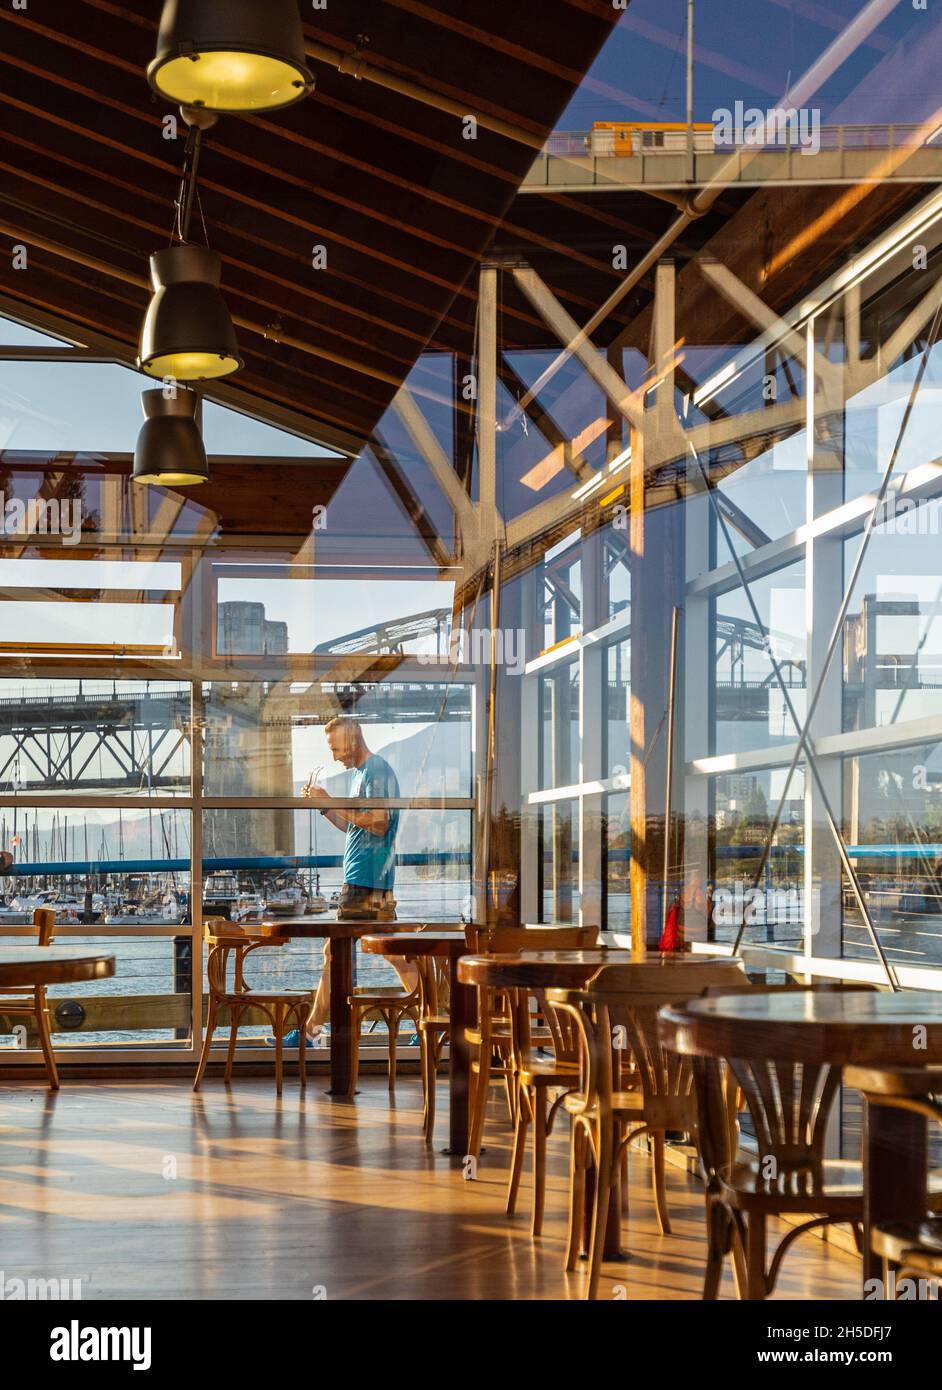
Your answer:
<point x="168" y="665"/>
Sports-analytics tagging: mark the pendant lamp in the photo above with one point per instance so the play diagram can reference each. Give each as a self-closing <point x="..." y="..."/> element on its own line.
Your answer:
<point x="169" y="448"/>
<point x="231" y="55"/>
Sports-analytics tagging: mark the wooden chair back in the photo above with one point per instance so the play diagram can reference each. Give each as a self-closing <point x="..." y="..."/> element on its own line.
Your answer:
<point x="227" y="943"/>
<point x="789" y="1103"/>
<point x="496" y="941"/>
<point x="44" y="920"/>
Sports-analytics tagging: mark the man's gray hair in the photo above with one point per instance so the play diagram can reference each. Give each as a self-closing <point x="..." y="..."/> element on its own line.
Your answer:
<point x="343" y="721"/>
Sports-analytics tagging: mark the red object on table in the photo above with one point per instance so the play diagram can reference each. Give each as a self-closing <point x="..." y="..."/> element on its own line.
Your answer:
<point x="671" y="936"/>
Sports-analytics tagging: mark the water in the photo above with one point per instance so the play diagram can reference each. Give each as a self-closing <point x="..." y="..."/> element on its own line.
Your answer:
<point x="144" y="964"/>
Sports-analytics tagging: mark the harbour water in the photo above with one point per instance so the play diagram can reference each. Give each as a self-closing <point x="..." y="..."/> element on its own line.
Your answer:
<point x="145" y="964"/>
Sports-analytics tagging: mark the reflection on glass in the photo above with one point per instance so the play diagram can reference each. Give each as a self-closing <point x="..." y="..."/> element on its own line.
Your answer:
<point x="893" y="629"/>
<point x="773" y="909"/>
<point x="560" y="747"/>
<point x="559" y="862"/>
<point x="751" y="711"/>
<point x="894" y="833"/>
<point x="617" y="905"/>
<point x="617" y="741"/>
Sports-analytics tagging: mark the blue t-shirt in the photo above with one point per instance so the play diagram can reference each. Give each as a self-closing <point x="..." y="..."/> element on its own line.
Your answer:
<point x="369" y="860"/>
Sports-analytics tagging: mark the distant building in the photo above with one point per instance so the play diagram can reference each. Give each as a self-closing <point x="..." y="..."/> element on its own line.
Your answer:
<point x="243" y="630"/>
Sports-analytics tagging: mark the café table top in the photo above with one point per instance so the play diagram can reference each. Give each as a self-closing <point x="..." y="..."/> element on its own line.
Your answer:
<point x="861" y="1026"/>
<point x="324" y="926"/>
<point x="435" y="942"/>
<point x="52" y="965"/>
<point x="573" y="969"/>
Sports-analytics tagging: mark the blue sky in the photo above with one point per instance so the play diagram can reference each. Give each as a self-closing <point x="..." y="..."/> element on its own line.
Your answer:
<point x="751" y="50"/>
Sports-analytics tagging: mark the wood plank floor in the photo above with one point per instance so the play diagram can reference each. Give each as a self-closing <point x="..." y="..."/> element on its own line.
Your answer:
<point x="143" y="1190"/>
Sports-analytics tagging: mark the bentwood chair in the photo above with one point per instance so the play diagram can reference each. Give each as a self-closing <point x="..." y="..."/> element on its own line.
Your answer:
<point x="29" y="1001"/>
<point x="284" y="1009"/>
<point x="491" y="1040"/>
<point x="606" y="1121"/>
<point x="912" y="1248"/>
<point x="630" y="1086"/>
<point x="390" y="1004"/>
<point x="434" y="1030"/>
<point x="535" y="1077"/>
<point x="789" y="1104"/>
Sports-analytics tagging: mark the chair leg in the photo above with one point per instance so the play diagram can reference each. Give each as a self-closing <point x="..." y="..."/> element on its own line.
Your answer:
<point x="430" y="1074"/>
<point x="356" y="1023"/>
<point x="623" y="1160"/>
<point x="233" y="1032"/>
<point x="279" y="1045"/>
<point x="603" y="1186"/>
<point x="756" y="1287"/>
<point x="45" y="1039"/>
<point x="510" y="1090"/>
<point x="577" y="1144"/>
<point x="519" y="1148"/>
<point x="207" y="1043"/>
<point x="715" y="1218"/>
<point x="479" y="1102"/>
<point x="392" y="1028"/>
<point x="301" y="1021"/>
<point x="660" y="1190"/>
<point x="539" y="1159"/>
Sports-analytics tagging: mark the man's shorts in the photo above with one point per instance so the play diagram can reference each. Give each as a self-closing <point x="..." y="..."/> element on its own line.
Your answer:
<point x="357" y="904"/>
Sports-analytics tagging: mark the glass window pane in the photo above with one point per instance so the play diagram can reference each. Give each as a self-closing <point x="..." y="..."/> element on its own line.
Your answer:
<point x="283" y="613"/>
<point x="893" y="630"/>
<point x="559" y="703"/>
<point x="750" y="710"/>
<point x="894" y="832"/>
<point x="70" y="407"/>
<point x="111" y="737"/>
<point x="559" y="861"/>
<point x="267" y="739"/>
<point x="773" y="909"/>
<point x="230" y="433"/>
<point x="293" y="861"/>
<point x="618" y="695"/>
<point x="14" y="334"/>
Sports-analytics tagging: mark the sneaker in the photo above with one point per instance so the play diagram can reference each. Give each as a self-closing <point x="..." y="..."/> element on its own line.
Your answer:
<point x="292" y="1039"/>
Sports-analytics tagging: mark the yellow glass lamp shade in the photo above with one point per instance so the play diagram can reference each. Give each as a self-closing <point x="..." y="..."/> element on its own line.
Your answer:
<point x="188" y="332"/>
<point x="231" y="55"/>
<point x="170" y="448"/>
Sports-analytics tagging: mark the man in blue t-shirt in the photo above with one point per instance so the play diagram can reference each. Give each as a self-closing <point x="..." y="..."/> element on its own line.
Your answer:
<point x="369" y="855"/>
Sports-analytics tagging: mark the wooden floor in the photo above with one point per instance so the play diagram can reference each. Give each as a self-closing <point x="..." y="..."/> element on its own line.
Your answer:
<point x="142" y="1190"/>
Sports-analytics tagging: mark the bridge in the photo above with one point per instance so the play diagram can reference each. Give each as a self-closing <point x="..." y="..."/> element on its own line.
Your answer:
<point x="590" y="160"/>
<point x="137" y="739"/>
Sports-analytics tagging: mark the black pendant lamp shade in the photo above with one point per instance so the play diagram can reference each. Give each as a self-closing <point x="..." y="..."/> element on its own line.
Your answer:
<point x="187" y="333"/>
<point x="169" y="448"/>
<point x="231" y="55"/>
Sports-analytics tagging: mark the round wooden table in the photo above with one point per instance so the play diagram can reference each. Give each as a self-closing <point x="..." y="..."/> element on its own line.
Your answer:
<point x="574" y="969"/>
<point x="341" y="936"/>
<point x="52" y="965"/>
<point x="451" y="945"/>
<point x="859" y="1028"/>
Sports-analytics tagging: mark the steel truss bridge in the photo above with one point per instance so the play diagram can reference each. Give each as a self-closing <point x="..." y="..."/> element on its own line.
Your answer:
<point x="128" y="742"/>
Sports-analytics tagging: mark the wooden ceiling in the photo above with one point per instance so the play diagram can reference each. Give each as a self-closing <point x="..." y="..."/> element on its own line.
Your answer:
<point x="404" y="205"/>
